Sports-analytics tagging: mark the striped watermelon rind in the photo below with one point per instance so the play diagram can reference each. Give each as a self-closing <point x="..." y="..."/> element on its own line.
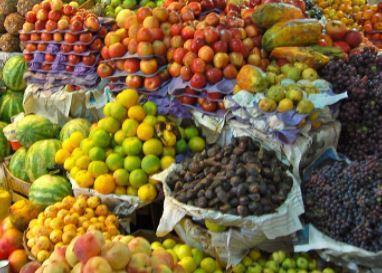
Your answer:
<point x="74" y="125"/>
<point x="17" y="164"/>
<point x="49" y="189"/>
<point x="39" y="159"/>
<point x="11" y="105"/>
<point x="33" y="128"/>
<point x="5" y="148"/>
<point x="13" y="73"/>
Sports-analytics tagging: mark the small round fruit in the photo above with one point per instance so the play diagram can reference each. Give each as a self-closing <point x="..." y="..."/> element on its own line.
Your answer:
<point x="128" y="98"/>
<point x="166" y="161"/>
<point x="153" y="147"/>
<point x="145" y="131"/>
<point x="104" y="184"/>
<point x="121" y="177"/>
<point x="196" y="144"/>
<point x="138" y="178"/>
<point x="132" y="163"/>
<point x="151" y="164"/>
<point x="147" y="193"/>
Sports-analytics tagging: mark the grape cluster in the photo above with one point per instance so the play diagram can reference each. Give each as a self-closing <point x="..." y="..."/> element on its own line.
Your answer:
<point x="345" y="202"/>
<point x="361" y="113"/>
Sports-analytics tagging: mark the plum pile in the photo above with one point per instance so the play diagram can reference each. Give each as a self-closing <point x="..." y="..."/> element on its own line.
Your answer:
<point x="345" y="202"/>
<point x="361" y="113"/>
<point x="240" y="178"/>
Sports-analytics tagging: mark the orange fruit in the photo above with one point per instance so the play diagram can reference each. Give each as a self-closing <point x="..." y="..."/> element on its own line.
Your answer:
<point x="17" y="260"/>
<point x="105" y="184"/>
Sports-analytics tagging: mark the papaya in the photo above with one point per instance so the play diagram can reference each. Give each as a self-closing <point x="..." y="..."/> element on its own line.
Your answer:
<point x="306" y="55"/>
<point x="267" y="15"/>
<point x="297" y="32"/>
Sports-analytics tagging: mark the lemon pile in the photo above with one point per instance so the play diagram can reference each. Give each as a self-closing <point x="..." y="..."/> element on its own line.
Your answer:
<point x="61" y="222"/>
<point x="125" y="147"/>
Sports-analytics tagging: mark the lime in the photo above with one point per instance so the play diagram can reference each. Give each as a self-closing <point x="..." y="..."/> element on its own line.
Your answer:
<point x="166" y="161"/>
<point x="128" y="97"/>
<point x="86" y="145"/>
<point x="97" y="168"/>
<point x="118" y="111"/>
<point x="150" y="108"/>
<point x="167" y="151"/>
<point x="181" y="146"/>
<point x="83" y="162"/>
<point x="121" y="177"/>
<point x="132" y="191"/>
<point x="196" y="144"/>
<point x="138" y="178"/>
<point x="107" y="109"/>
<point x="97" y="153"/>
<point x="191" y="132"/>
<point x="119" y="136"/>
<point x="130" y="126"/>
<point x="132" y="163"/>
<point x="153" y="147"/>
<point x="132" y="146"/>
<point x="152" y="120"/>
<point x="109" y="124"/>
<point x="101" y="138"/>
<point x="151" y="164"/>
<point x="119" y="150"/>
<point x="114" y="161"/>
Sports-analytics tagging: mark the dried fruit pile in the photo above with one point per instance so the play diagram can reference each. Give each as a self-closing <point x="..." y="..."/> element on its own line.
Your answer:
<point x="361" y="113"/>
<point x="240" y="179"/>
<point x="345" y="202"/>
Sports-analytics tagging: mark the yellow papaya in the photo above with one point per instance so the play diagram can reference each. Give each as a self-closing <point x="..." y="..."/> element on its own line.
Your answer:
<point x="301" y="54"/>
<point x="297" y="32"/>
<point x="267" y="15"/>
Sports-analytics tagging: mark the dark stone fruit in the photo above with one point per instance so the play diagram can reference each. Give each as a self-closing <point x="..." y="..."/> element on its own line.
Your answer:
<point x="277" y="199"/>
<point x="241" y="171"/>
<point x="225" y="160"/>
<point x="234" y="202"/>
<point x="241" y="189"/>
<point x="213" y="202"/>
<point x="224" y="208"/>
<point x="242" y="210"/>
<point x="188" y="177"/>
<point x="213" y="150"/>
<point x="263" y="188"/>
<point x="235" y="181"/>
<point x="244" y="200"/>
<point x="222" y="196"/>
<point x="190" y="194"/>
<point x="195" y="167"/>
<point x="253" y="207"/>
<point x="267" y="172"/>
<point x="182" y="197"/>
<point x="226" y="186"/>
<point x="255" y="197"/>
<point x="253" y="168"/>
<point x="209" y="194"/>
<point x="219" y="156"/>
<point x="201" y="193"/>
<point x="253" y="188"/>
<point x="201" y="202"/>
<point x="214" y="169"/>
<point x="178" y="186"/>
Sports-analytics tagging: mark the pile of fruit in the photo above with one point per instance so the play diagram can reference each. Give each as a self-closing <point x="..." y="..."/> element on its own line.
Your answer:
<point x="115" y="6"/>
<point x="93" y="253"/>
<point x="361" y="113"/>
<point x="61" y="40"/>
<point x="240" y="178"/>
<point x="371" y="20"/>
<point x="11" y="22"/>
<point x="61" y="222"/>
<point x="125" y="148"/>
<point x="349" y="206"/>
<point x="278" y="261"/>
<point x="134" y="55"/>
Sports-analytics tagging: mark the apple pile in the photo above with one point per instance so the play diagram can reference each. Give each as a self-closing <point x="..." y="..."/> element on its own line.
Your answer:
<point x="338" y="35"/>
<point x="59" y="37"/>
<point x="134" y="55"/>
<point x="206" y="52"/>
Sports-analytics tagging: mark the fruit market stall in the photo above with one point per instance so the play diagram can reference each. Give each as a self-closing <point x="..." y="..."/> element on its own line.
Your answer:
<point x="212" y="136"/>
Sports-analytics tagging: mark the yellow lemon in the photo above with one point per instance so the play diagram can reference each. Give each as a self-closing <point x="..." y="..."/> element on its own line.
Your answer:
<point x="61" y="156"/>
<point x="83" y="162"/>
<point x="67" y="145"/>
<point x="128" y="97"/>
<point x="105" y="184"/>
<point x="74" y="171"/>
<point x="97" y="168"/>
<point x="166" y="161"/>
<point x="86" y="145"/>
<point x="130" y="126"/>
<point x="120" y="190"/>
<point x="147" y="193"/>
<point x="69" y="163"/>
<point x="136" y="112"/>
<point x="153" y="147"/>
<point x="84" y="179"/>
<point x="132" y="191"/>
<point x="145" y="131"/>
<point x="76" y="138"/>
<point x="119" y="136"/>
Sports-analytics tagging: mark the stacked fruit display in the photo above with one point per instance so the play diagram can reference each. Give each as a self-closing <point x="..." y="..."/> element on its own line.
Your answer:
<point x="11" y="22"/>
<point x="239" y="179"/>
<point x="115" y="6"/>
<point x="62" y="41"/>
<point x="206" y="55"/>
<point x="371" y="21"/>
<point x="61" y="222"/>
<point x="93" y="253"/>
<point x="134" y="54"/>
<point x="11" y="246"/>
<point x="125" y="147"/>
<point x="278" y="261"/>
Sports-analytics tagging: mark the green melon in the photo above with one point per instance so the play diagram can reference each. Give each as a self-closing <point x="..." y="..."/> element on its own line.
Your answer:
<point x="49" y="189"/>
<point x="33" y="128"/>
<point x="13" y="73"/>
<point x="78" y="124"/>
<point x="39" y="159"/>
<point x="11" y="105"/>
<point x="17" y="164"/>
<point x="5" y="148"/>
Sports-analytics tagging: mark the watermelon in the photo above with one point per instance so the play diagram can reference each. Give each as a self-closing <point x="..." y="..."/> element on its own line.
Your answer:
<point x="13" y="73"/>
<point x="5" y="148"/>
<point x="33" y="128"/>
<point x="49" y="189"/>
<point x="39" y="159"/>
<point x="11" y="104"/>
<point x="17" y="164"/>
<point x="78" y="124"/>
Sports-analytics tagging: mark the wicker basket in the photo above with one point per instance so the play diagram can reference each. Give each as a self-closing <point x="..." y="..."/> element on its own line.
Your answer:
<point x="19" y="188"/>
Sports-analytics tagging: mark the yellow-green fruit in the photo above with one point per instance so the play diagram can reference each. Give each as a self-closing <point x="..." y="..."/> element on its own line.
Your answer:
<point x="305" y="107"/>
<point x="276" y="93"/>
<point x="109" y="124"/>
<point x="285" y="105"/>
<point x="267" y="105"/>
<point x="309" y="74"/>
<point x="153" y="147"/>
<point x="294" y="94"/>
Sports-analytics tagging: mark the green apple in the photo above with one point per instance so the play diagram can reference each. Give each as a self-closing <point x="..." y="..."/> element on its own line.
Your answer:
<point x="279" y="256"/>
<point x="208" y="264"/>
<point x="115" y="3"/>
<point x="169" y="243"/>
<point x="156" y="245"/>
<point x="302" y="263"/>
<point x="288" y="263"/>
<point x="151" y="4"/>
<point x="272" y="265"/>
<point x="238" y="268"/>
<point x="197" y="255"/>
<point x="129" y="4"/>
<point x="117" y="10"/>
<point x="328" y="270"/>
<point x="183" y="251"/>
<point x="256" y="268"/>
<point x="188" y="264"/>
